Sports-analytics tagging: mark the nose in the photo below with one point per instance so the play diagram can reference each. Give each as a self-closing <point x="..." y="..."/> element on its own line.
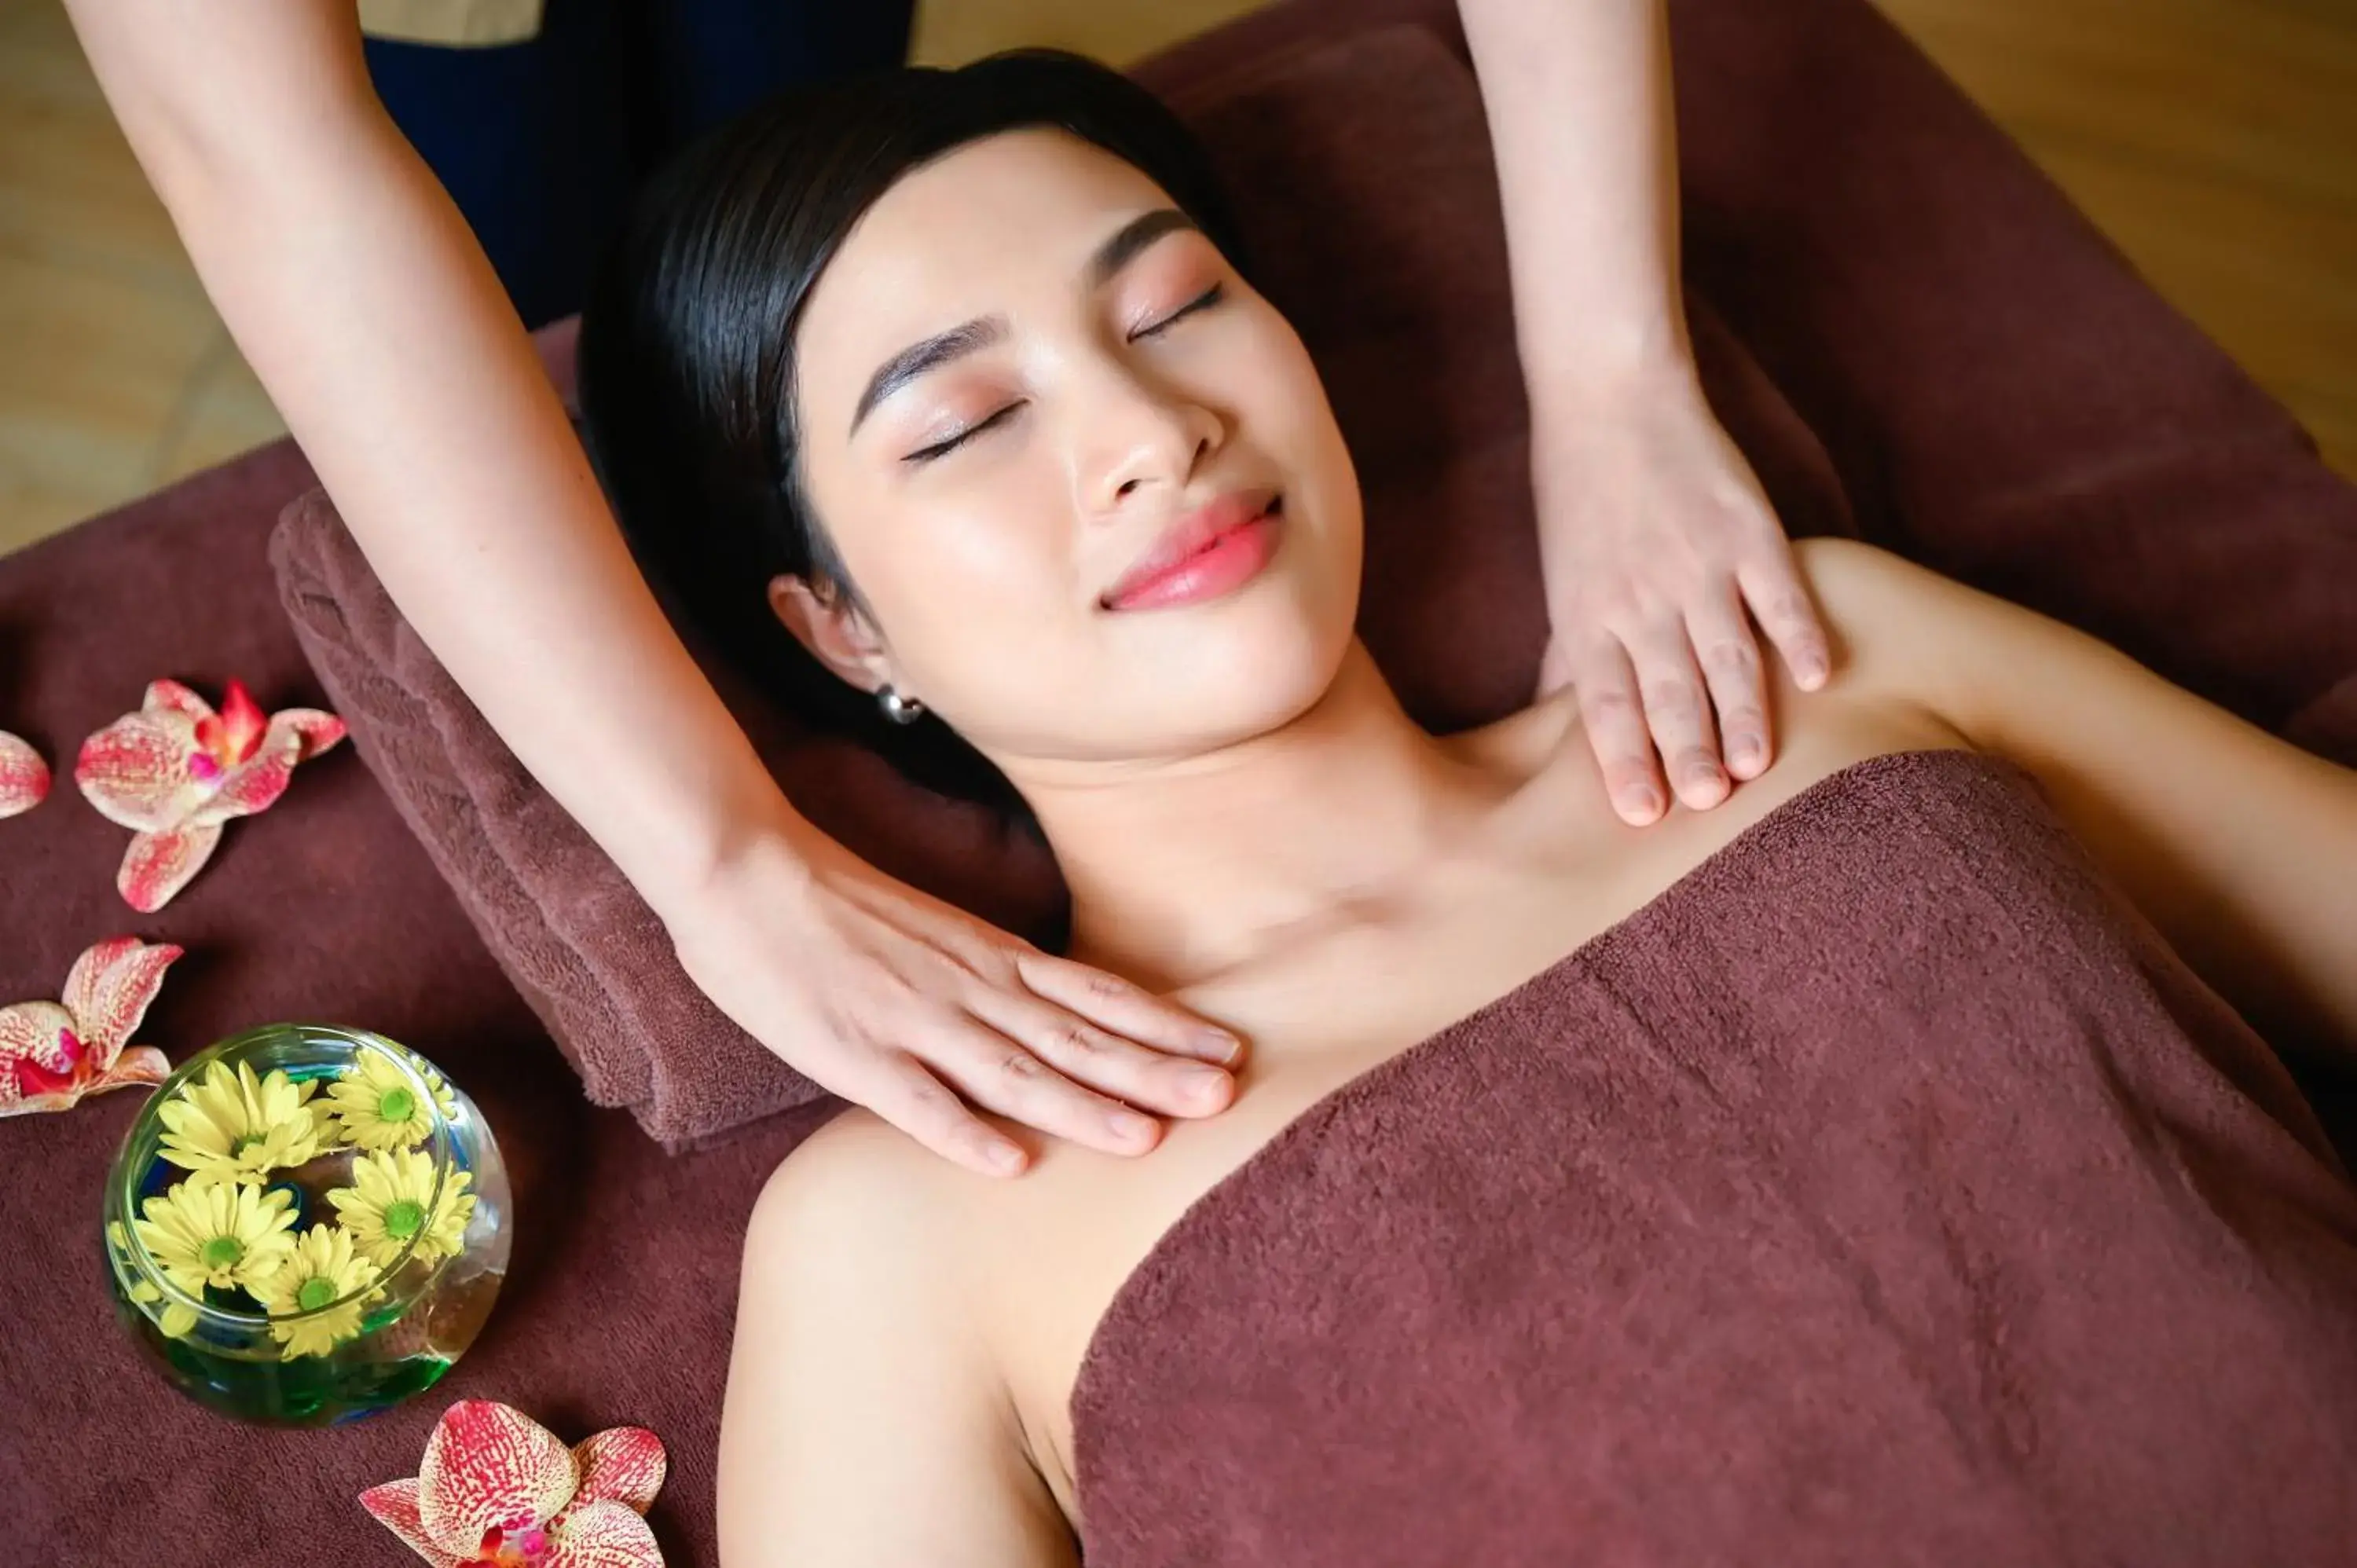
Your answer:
<point x="1142" y="434"/>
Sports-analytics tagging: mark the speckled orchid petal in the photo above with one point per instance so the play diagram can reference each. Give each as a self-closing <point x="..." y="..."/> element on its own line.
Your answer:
<point x="40" y="1053"/>
<point x="233" y="734"/>
<point x="174" y="771"/>
<point x="141" y="1066"/>
<point x="158" y="866"/>
<point x="171" y="697"/>
<point x="110" y="989"/>
<point x="317" y="729"/>
<point x="15" y="1102"/>
<point x="490" y="1466"/>
<point x="135" y="771"/>
<point x="54" y="1053"/>
<point x="24" y="777"/>
<point x="254" y="785"/>
<point x="40" y="1033"/>
<point x="294" y="735"/>
<point x="394" y="1504"/>
<point x="620" y="1465"/>
<point x="603" y="1535"/>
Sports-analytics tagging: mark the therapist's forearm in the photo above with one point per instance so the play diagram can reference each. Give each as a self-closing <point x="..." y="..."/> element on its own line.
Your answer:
<point x="355" y="291"/>
<point x="1584" y="130"/>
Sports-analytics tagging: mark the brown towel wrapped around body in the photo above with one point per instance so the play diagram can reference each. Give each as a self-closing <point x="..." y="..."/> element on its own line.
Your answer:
<point x="1885" y="1192"/>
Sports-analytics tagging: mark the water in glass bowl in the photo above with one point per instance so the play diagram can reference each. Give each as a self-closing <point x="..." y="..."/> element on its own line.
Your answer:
<point x="317" y="1232"/>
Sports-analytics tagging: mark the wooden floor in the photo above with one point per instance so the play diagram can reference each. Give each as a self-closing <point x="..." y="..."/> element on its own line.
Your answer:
<point x="2214" y="140"/>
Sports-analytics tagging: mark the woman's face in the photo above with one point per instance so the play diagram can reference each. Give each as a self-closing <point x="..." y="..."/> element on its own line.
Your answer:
<point x="1084" y="477"/>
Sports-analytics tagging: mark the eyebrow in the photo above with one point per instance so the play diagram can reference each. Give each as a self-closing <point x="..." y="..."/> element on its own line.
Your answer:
<point x="1131" y="238"/>
<point x="1117" y="251"/>
<point x="931" y="354"/>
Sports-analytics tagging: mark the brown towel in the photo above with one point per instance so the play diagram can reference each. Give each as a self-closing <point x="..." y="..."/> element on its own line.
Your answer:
<point x="1883" y="1192"/>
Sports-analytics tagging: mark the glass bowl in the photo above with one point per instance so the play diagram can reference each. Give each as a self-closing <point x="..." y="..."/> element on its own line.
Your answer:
<point x="338" y="1242"/>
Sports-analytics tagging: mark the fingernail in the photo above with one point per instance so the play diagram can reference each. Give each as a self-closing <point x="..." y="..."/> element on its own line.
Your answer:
<point x="1744" y="753"/>
<point x="1129" y="1124"/>
<point x="1005" y="1158"/>
<point x="1228" y="1046"/>
<point x="1201" y="1080"/>
<point x="1812" y="672"/>
<point x="1644" y="801"/>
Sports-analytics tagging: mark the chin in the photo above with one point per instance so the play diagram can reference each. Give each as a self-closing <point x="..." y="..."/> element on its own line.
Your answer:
<point x="1251" y="686"/>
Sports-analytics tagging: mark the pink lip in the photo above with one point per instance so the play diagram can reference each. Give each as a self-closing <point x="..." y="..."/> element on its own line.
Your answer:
<point x="1212" y="550"/>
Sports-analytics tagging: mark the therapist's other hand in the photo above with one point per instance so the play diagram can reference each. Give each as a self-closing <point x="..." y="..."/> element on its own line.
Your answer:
<point x="914" y="1008"/>
<point x="1655" y="536"/>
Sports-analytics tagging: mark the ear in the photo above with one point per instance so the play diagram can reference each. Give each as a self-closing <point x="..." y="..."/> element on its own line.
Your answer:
<point x="834" y="629"/>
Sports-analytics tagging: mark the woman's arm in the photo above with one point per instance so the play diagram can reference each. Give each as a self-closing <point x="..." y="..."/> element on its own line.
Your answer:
<point x="864" y="1424"/>
<point x="1655" y="534"/>
<point x="358" y="294"/>
<point x="2241" y="848"/>
<point x="355" y="290"/>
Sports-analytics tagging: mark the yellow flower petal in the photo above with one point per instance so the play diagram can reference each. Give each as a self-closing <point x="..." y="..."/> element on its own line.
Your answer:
<point x="315" y="1302"/>
<point x="204" y="1232"/>
<point x="178" y="1319"/>
<point x="387" y="1207"/>
<point x="378" y="1106"/>
<point x="230" y="1124"/>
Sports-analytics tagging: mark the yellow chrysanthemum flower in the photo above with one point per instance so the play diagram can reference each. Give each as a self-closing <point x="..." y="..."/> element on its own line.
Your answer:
<point x="377" y="1105"/>
<point x="385" y="1206"/>
<point x="217" y="1233"/>
<point x="232" y="1125"/>
<point x="323" y="1271"/>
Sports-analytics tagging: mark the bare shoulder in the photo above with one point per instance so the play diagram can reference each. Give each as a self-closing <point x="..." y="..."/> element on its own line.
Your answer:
<point x="1903" y="631"/>
<point x="1869" y="587"/>
<point x="859" y="1207"/>
<point x="865" y="1420"/>
<point x="1869" y="598"/>
<point x="851" y="1160"/>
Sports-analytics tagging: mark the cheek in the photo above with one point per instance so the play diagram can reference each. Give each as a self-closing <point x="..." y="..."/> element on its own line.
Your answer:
<point x="1292" y="419"/>
<point x="1282" y="396"/>
<point x="972" y="595"/>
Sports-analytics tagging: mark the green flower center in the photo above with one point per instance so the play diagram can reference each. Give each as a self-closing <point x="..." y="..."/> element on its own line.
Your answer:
<point x="222" y="1252"/>
<point x="243" y="1141"/>
<point x="403" y="1219"/>
<point x="398" y="1105"/>
<point x="314" y="1294"/>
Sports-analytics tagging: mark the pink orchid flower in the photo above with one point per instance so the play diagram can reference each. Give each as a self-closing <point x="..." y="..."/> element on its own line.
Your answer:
<point x="498" y="1488"/>
<point x="53" y="1053"/>
<point x="24" y="777"/>
<point x="174" y="771"/>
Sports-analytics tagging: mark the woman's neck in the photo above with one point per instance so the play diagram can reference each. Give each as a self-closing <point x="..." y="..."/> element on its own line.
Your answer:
<point x="1188" y="869"/>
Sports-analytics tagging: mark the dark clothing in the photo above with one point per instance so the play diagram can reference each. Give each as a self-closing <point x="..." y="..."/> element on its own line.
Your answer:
<point x="541" y="143"/>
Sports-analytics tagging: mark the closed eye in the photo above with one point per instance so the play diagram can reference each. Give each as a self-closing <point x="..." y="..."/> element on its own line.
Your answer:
<point x="1203" y="301"/>
<point x="943" y="448"/>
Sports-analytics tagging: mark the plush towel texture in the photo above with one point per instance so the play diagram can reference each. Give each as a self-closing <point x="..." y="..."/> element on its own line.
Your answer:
<point x="1885" y="1192"/>
<point x="2146" y="494"/>
<point x="1996" y="388"/>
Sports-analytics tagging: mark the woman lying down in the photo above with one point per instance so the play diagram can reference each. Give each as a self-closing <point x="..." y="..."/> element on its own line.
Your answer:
<point x="1853" y="1173"/>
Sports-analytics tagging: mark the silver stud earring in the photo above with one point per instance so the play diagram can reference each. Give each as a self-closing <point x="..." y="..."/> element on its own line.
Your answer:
<point x="900" y="710"/>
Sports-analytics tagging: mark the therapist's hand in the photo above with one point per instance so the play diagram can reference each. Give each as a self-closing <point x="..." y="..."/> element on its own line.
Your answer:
<point x="914" y="1008"/>
<point x="1656" y="537"/>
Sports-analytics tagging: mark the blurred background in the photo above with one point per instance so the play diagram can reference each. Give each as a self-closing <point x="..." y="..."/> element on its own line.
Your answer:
<point x="2216" y="141"/>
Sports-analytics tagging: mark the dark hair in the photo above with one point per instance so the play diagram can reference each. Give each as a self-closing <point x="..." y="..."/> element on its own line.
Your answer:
<point x="687" y="364"/>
